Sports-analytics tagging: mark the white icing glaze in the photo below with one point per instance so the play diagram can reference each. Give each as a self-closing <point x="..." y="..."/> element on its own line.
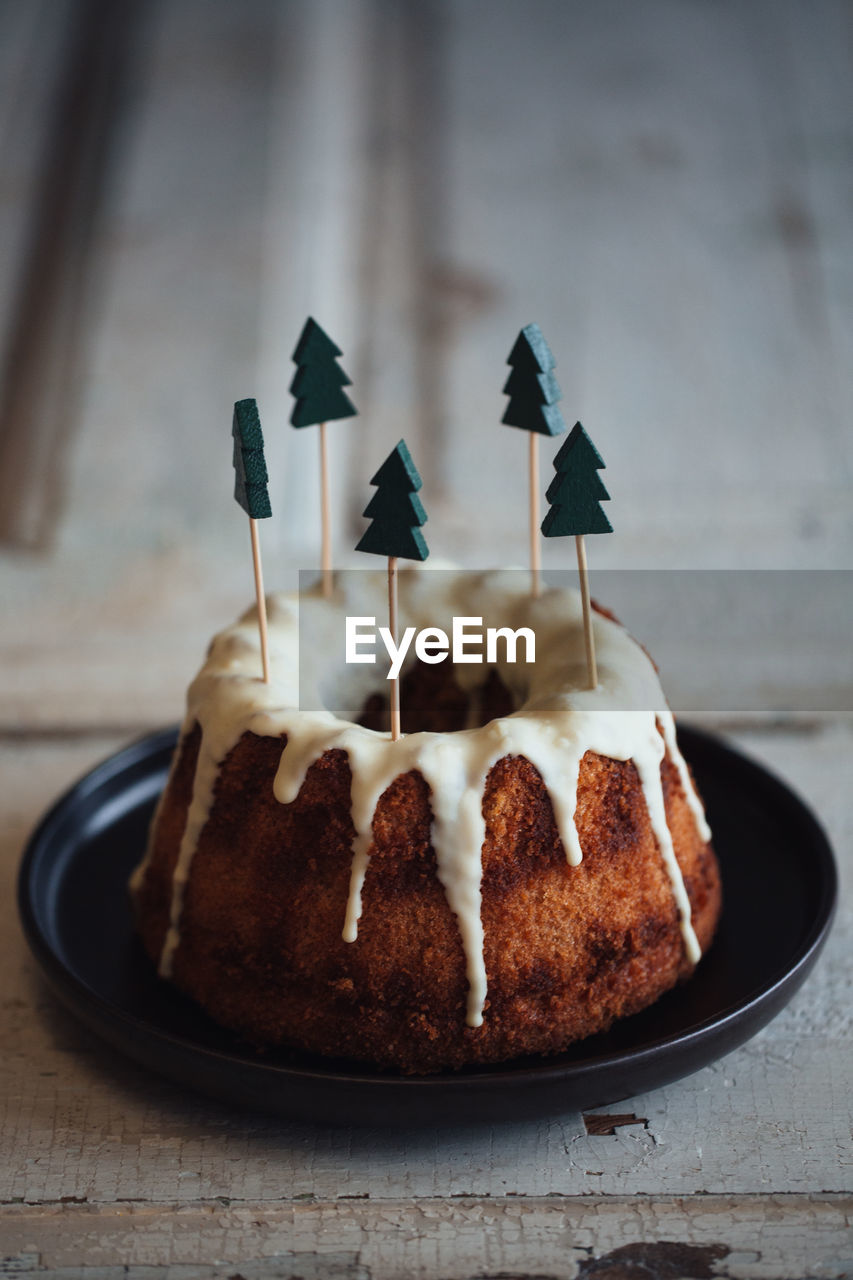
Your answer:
<point x="558" y="719"/>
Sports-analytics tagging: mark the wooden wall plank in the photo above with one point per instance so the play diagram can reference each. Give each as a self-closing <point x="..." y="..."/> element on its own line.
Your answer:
<point x="50" y="314"/>
<point x="152" y="545"/>
<point x="32" y="42"/>
<point x="613" y="174"/>
<point x="316" y="248"/>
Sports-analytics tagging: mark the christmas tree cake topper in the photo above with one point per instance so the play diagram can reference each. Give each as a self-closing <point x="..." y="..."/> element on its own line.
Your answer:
<point x="576" y="490"/>
<point x="250" y="470"/>
<point x="531" y="386"/>
<point x="396" y="510"/>
<point x="318" y="387"/>
<point x="397" y="514"/>
<point x="319" y="379"/>
<point x="250" y="491"/>
<point x="575" y="495"/>
<point x="533" y="394"/>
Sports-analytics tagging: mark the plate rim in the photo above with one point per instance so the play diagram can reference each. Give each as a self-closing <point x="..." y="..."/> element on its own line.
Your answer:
<point x="94" y="1009"/>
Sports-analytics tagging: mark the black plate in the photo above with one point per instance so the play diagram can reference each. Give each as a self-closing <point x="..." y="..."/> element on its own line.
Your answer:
<point x="780" y="889"/>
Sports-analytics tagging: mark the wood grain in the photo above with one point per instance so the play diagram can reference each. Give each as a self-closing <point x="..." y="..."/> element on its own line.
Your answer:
<point x="45" y="338"/>
<point x="765" y="1239"/>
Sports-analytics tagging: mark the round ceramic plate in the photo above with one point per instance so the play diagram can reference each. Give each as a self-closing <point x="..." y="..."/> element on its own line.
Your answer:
<point x="780" y="888"/>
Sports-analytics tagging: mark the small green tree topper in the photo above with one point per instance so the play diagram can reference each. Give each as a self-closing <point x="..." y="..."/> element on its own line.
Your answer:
<point x="533" y="394"/>
<point x="318" y="387"/>
<point x="531" y="386"/>
<point x="395" y="510"/>
<point x="250" y="490"/>
<point x="576" y="490"/>
<point x="319" y="379"/>
<point x="397" y="513"/>
<point x="250" y="471"/>
<point x="575" y="494"/>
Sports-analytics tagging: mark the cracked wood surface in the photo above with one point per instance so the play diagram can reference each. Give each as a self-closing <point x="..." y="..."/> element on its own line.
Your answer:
<point x="666" y="189"/>
<point x="760" y="1238"/>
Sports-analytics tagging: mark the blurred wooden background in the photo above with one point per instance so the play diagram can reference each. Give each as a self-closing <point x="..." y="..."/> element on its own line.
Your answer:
<point x="666" y="186"/>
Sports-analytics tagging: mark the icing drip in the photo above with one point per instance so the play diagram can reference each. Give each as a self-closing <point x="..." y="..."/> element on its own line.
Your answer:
<point x="667" y="723"/>
<point x="557" y="721"/>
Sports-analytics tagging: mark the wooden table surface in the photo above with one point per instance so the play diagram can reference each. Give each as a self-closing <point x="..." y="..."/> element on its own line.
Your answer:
<point x="667" y="188"/>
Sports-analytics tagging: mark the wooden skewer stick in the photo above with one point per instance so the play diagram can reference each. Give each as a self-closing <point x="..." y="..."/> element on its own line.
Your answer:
<point x="396" y="516"/>
<point x="535" y="548"/>
<point x="325" y="514"/>
<point x="592" y="669"/>
<point x="392" y="627"/>
<point x="262" y="604"/>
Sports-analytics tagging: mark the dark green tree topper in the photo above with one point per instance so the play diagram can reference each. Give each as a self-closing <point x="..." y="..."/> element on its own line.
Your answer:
<point x="532" y="388"/>
<point x="576" y="490"/>
<point x="250" y="471"/>
<point x="396" y="510"/>
<point x="319" y="379"/>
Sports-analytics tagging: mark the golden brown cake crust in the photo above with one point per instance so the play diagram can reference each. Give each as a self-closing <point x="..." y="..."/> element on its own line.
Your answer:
<point x="567" y="949"/>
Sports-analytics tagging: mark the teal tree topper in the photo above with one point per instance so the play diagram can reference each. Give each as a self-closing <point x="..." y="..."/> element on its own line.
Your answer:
<point x="532" y="388"/>
<point x="396" y="510"/>
<point x="576" y="490"/>
<point x="250" y="480"/>
<point x="319" y="380"/>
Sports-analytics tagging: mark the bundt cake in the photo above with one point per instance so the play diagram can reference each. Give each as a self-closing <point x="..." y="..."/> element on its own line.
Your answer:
<point x="528" y="862"/>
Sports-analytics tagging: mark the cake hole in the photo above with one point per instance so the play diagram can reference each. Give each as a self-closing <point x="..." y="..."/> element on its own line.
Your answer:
<point x="433" y="701"/>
